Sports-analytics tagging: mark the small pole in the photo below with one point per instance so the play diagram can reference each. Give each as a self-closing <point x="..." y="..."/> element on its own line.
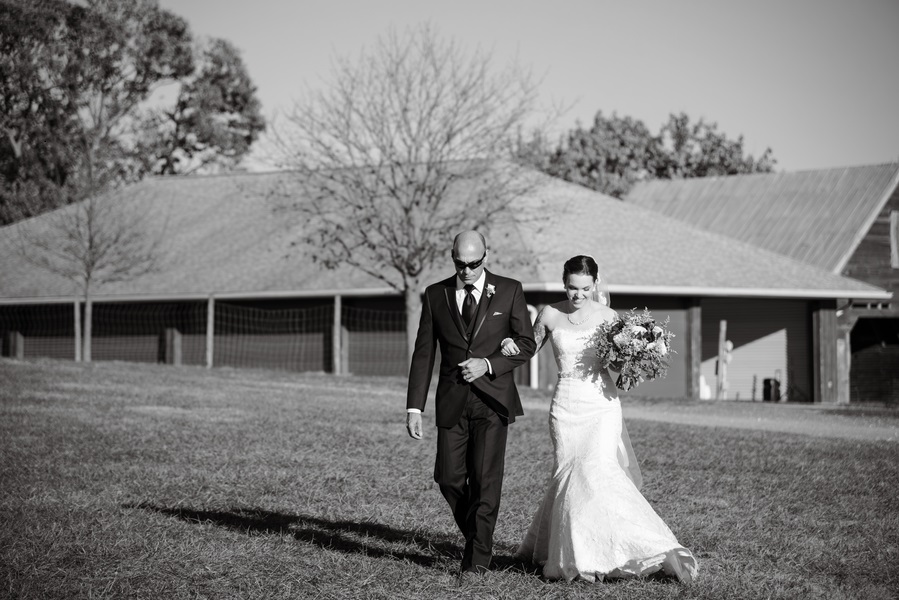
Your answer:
<point x="210" y="330"/>
<point x="534" y="363"/>
<point x="721" y="387"/>
<point x="336" y="349"/>
<point x="77" y="316"/>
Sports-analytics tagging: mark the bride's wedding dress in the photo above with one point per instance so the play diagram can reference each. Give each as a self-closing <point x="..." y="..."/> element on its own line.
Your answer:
<point x="593" y="521"/>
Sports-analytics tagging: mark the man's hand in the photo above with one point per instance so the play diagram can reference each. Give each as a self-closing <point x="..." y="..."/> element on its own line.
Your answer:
<point x="473" y="368"/>
<point x="413" y="425"/>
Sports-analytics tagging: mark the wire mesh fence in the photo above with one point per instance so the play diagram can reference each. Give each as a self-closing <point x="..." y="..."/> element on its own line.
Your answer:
<point x="374" y="341"/>
<point x="32" y="331"/>
<point x="287" y="339"/>
<point x="370" y="341"/>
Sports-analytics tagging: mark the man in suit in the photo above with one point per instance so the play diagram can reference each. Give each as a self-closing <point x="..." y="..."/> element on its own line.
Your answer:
<point x="469" y="315"/>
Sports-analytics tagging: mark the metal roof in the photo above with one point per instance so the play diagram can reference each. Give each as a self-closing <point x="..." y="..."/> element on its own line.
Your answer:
<point x="224" y="236"/>
<point x="817" y="217"/>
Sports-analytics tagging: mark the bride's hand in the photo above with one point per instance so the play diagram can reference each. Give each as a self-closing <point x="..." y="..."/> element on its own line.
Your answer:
<point x="509" y="347"/>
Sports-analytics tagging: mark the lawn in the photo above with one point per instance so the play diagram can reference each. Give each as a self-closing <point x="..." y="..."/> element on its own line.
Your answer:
<point x="142" y="481"/>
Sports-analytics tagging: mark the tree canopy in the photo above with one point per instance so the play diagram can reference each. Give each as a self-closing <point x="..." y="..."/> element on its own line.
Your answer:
<point x="75" y="80"/>
<point x="615" y="152"/>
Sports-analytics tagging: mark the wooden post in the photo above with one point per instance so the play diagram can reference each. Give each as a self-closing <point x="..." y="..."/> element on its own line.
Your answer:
<point x="210" y="330"/>
<point x="721" y="386"/>
<point x="844" y="360"/>
<point x="894" y="239"/>
<point x="824" y="351"/>
<point x="336" y="341"/>
<point x="345" y="350"/>
<point x="77" y="316"/>
<point x="173" y="353"/>
<point x="846" y="320"/>
<point x="693" y="358"/>
<point x="15" y="341"/>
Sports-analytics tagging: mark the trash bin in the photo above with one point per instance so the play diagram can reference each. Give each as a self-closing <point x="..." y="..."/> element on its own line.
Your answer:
<point x="771" y="390"/>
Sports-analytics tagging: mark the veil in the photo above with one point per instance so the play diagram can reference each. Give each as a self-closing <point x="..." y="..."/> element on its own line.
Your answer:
<point x="626" y="457"/>
<point x="601" y="290"/>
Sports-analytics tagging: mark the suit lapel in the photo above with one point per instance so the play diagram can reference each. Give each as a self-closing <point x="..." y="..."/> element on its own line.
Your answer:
<point x="483" y="305"/>
<point x="453" y="308"/>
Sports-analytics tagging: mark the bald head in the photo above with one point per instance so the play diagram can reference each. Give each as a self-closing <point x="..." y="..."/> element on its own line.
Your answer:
<point x="469" y="255"/>
<point x="469" y="242"/>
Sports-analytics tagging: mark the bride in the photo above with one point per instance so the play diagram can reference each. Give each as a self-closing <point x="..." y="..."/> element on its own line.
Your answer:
<point x="593" y="521"/>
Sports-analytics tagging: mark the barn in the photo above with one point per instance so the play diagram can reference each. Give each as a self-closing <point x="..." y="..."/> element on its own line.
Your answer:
<point x="236" y="288"/>
<point x="844" y="221"/>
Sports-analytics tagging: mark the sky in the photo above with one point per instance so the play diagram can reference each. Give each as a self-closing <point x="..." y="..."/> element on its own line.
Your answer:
<point x="817" y="81"/>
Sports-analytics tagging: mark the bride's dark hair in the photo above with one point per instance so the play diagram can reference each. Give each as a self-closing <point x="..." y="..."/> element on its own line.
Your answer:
<point x="580" y="265"/>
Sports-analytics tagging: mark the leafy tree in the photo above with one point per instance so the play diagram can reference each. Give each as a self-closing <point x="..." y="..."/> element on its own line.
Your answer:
<point x="37" y="117"/>
<point x="616" y="152"/>
<point x="401" y="152"/>
<point x="75" y="82"/>
<point x="609" y="157"/>
<point x="700" y="150"/>
<point x="214" y="120"/>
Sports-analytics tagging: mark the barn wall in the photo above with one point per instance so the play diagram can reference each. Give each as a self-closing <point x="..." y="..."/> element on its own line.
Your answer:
<point x="874" y="374"/>
<point x="871" y="260"/>
<point x="772" y="340"/>
<point x="874" y="370"/>
<point x="771" y="336"/>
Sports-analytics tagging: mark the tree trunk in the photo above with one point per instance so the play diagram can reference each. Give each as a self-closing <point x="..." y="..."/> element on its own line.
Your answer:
<point x="78" y="337"/>
<point x="412" y="296"/>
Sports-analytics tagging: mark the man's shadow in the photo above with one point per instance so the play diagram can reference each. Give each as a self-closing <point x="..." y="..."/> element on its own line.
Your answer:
<point x="430" y="550"/>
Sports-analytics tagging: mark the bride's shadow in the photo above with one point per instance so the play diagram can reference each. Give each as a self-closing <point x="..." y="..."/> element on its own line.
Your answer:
<point x="426" y="549"/>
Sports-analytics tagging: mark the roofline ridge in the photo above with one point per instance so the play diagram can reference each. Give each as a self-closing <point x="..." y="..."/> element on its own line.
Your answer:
<point x="275" y="170"/>
<point x="666" y="181"/>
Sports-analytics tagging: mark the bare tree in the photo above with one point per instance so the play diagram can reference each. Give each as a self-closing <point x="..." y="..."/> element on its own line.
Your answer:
<point x="101" y="240"/>
<point x="410" y="144"/>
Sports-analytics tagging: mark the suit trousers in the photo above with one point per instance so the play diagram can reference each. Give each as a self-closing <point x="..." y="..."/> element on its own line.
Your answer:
<point x="469" y="470"/>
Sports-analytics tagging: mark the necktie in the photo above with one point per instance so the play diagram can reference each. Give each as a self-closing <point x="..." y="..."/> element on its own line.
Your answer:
<point x="468" y="305"/>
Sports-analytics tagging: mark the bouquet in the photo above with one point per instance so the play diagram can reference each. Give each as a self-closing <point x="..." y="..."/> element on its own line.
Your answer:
<point x="635" y="346"/>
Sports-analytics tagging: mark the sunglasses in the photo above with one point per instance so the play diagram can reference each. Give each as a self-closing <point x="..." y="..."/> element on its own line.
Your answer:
<point x="472" y="265"/>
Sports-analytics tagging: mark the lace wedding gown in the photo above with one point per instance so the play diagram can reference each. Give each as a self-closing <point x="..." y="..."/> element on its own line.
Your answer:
<point x="593" y="521"/>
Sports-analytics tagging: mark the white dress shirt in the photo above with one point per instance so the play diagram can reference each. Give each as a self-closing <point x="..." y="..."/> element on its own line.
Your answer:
<point x="476" y="292"/>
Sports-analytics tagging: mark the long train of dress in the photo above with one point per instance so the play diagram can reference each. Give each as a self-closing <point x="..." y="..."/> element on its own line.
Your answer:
<point x="593" y="521"/>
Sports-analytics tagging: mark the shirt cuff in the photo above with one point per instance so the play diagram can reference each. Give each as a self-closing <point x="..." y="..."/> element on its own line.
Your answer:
<point x="413" y="410"/>
<point x="489" y="366"/>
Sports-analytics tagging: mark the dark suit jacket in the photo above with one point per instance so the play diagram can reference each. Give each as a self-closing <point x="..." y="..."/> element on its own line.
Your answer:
<point x="504" y="314"/>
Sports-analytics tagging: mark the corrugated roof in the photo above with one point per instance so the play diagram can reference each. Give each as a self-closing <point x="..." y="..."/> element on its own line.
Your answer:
<point x="816" y="217"/>
<point x="223" y="234"/>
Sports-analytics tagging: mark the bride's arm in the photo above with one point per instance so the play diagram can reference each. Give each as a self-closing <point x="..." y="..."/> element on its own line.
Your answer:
<point x="540" y="329"/>
<point x="509" y="348"/>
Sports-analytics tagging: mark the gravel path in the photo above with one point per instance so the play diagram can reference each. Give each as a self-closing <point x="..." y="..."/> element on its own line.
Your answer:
<point x="850" y="422"/>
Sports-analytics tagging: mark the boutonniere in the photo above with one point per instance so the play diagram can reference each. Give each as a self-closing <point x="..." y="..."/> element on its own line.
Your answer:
<point x="490" y="290"/>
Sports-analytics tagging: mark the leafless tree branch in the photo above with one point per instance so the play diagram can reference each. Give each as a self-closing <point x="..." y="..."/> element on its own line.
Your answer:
<point x="413" y="142"/>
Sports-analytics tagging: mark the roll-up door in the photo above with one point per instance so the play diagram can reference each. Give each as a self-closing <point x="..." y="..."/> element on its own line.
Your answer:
<point x="771" y="342"/>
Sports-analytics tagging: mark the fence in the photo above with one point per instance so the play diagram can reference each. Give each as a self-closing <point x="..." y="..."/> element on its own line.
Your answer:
<point x="368" y="341"/>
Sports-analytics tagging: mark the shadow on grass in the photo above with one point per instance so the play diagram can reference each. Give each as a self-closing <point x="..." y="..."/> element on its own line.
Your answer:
<point x="371" y="539"/>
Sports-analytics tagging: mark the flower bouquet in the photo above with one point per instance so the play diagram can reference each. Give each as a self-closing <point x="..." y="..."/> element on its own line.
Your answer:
<point x="635" y="346"/>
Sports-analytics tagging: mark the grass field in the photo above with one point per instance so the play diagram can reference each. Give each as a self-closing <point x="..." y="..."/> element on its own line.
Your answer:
<point x="143" y="481"/>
